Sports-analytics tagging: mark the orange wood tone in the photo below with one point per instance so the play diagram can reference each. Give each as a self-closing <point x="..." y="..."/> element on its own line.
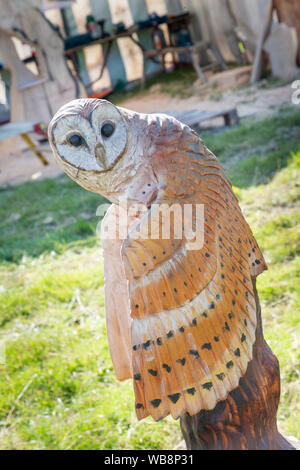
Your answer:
<point x="246" y="420"/>
<point x="184" y="323"/>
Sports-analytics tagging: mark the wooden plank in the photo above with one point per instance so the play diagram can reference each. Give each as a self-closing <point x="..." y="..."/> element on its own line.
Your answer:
<point x="194" y="117"/>
<point x="13" y="129"/>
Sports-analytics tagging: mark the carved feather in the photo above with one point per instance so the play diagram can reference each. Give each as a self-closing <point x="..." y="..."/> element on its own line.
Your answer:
<point x="181" y="322"/>
<point x="193" y="312"/>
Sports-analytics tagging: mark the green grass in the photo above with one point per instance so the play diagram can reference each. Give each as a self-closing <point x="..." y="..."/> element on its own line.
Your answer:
<point x="58" y="388"/>
<point x="254" y="151"/>
<point x="178" y="83"/>
<point x="45" y="216"/>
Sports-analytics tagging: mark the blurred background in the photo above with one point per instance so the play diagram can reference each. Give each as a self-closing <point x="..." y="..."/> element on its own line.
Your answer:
<point x="229" y="69"/>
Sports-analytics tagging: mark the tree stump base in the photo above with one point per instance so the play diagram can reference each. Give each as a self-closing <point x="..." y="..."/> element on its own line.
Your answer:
<point x="246" y="420"/>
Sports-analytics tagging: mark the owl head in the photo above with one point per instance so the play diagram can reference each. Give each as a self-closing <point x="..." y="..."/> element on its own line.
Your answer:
<point x="100" y="147"/>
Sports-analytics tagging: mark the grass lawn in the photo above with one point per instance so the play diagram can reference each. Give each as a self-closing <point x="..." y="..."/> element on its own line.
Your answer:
<point x="58" y="389"/>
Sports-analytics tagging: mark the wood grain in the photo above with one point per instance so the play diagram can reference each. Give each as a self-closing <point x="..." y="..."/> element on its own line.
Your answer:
<point x="246" y="420"/>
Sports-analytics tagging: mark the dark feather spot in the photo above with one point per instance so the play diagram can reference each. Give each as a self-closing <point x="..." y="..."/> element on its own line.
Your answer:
<point x="257" y="261"/>
<point x="170" y="334"/>
<point x="146" y="345"/>
<point x="194" y="322"/>
<point x="237" y="352"/>
<point x="155" y="403"/>
<point x="139" y="406"/>
<point x="159" y="341"/>
<point x="245" y="322"/>
<point x="168" y="368"/>
<point x="174" y="398"/>
<point x="204" y="314"/>
<point x="181" y="361"/>
<point x="207" y="255"/>
<point x="181" y="329"/>
<point x="137" y="376"/>
<point x="229" y="365"/>
<point x="191" y="391"/>
<point x="194" y="352"/>
<point x="135" y="347"/>
<point x="206" y="346"/>
<point x="212" y="305"/>
<point x="207" y="385"/>
<point x="243" y="338"/>
<point x="218" y="296"/>
<point x="230" y="315"/>
<point x="221" y="376"/>
<point x="216" y="338"/>
<point x="152" y="372"/>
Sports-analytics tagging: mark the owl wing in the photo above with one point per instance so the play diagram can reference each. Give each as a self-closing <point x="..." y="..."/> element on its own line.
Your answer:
<point x="193" y="311"/>
<point x="114" y="228"/>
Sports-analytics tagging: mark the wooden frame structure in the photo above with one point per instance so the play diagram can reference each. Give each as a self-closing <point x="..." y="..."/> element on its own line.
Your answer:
<point x="192" y="51"/>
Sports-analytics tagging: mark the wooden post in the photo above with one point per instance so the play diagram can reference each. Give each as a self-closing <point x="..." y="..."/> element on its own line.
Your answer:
<point x="266" y="27"/>
<point x="246" y="420"/>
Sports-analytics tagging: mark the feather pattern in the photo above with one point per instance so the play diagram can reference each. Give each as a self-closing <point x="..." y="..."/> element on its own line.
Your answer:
<point x="184" y="323"/>
<point x="193" y="312"/>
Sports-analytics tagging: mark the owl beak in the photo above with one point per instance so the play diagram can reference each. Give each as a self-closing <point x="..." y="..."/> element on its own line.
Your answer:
<point x="100" y="156"/>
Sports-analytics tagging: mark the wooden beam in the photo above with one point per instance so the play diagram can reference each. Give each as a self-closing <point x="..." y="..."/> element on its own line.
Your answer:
<point x="265" y="31"/>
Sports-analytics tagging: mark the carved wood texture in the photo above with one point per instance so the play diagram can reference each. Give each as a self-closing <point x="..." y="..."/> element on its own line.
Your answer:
<point x="246" y="420"/>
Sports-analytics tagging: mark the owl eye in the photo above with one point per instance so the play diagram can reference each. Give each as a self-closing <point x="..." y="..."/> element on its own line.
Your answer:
<point x="107" y="129"/>
<point x="76" y="140"/>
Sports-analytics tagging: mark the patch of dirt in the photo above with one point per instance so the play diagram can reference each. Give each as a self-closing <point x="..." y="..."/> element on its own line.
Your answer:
<point x="18" y="164"/>
<point x="249" y="101"/>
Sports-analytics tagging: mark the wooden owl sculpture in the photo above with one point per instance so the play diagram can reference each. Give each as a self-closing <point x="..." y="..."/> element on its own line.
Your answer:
<point x="181" y="321"/>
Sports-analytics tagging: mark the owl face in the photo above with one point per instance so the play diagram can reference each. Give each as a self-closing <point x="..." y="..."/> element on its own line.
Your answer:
<point x="105" y="149"/>
<point x="89" y="135"/>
